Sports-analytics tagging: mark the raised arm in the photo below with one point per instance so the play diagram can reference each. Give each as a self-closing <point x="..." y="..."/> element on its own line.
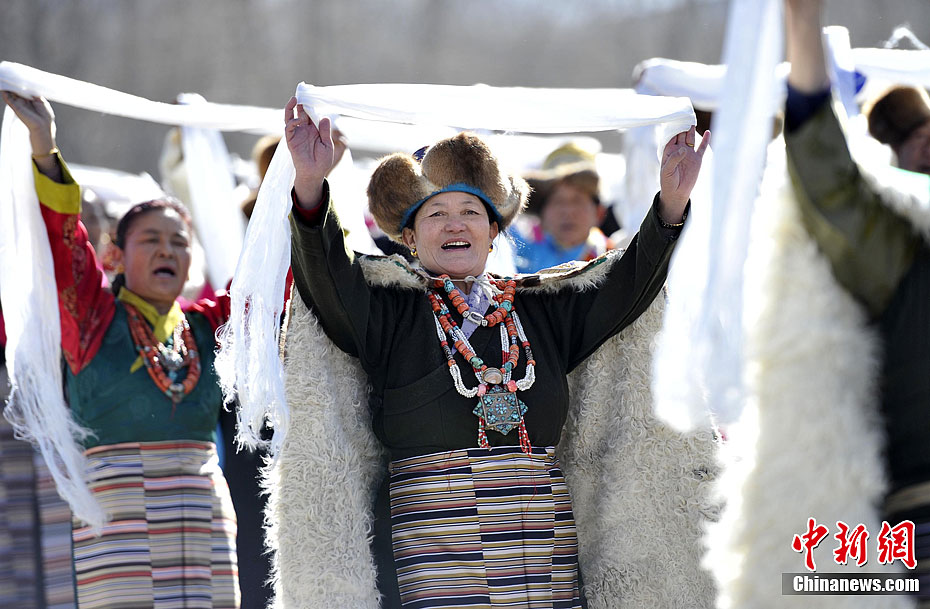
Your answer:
<point x="804" y="46"/>
<point x="681" y="164"/>
<point x="634" y="281"/>
<point x="312" y="152"/>
<point x="869" y="247"/>
<point x="85" y="304"/>
<point x="36" y="113"/>
<point x="326" y="273"/>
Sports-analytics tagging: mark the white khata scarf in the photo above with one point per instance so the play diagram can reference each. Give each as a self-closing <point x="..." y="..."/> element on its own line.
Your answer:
<point x="704" y="84"/>
<point x="248" y="362"/>
<point x="30" y="301"/>
<point x="707" y="376"/>
<point x="698" y="362"/>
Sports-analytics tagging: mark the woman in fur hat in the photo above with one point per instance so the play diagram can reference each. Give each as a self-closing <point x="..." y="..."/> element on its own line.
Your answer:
<point x="469" y="395"/>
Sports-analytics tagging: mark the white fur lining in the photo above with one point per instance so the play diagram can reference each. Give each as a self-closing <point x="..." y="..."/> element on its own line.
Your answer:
<point x="318" y="518"/>
<point x="394" y="271"/>
<point x="640" y="490"/>
<point x="809" y="442"/>
<point x="905" y="192"/>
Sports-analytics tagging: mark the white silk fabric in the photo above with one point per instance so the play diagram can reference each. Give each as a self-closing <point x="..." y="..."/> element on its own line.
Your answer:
<point x="704" y="84"/>
<point x="698" y="362"/>
<point x="702" y="376"/>
<point x="27" y="80"/>
<point x="220" y="225"/>
<point x="30" y="302"/>
<point x="894" y="65"/>
<point x="36" y="406"/>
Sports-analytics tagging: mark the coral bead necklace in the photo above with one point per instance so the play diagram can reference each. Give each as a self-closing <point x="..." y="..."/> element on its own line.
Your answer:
<point x="498" y="408"/>
<point x="164" y="363"/>
<point x="504" y="300"/>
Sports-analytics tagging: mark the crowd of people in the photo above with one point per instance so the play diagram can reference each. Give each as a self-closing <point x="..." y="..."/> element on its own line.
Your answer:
<point x="465" y="439"/>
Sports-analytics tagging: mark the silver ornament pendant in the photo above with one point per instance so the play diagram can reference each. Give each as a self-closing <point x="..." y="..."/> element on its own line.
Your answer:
<point x="501" y="410"/>
<point x="170" y="359"/>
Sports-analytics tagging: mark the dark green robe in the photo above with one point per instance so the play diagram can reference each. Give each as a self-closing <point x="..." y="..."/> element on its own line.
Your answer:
<point x="415" y="407"/>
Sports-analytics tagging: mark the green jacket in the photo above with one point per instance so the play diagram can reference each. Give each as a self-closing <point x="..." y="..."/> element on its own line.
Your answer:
<point x="880" y="259"/>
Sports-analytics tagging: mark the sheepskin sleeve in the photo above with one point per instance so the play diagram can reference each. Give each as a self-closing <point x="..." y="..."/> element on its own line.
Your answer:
<point x="85" y="303"/>
<point x="869" y="246"/>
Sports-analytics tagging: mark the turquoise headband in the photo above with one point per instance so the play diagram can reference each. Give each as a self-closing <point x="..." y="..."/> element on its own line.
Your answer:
<point x="457" y="187"/>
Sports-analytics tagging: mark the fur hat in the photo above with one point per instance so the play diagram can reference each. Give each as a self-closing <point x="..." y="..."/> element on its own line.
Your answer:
<point x="463" y="163"/>
<point x="895" y="115"/>
<point x="570" y="163"/>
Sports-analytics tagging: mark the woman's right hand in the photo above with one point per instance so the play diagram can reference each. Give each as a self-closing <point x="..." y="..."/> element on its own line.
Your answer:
<point x="36" y="113"/>
<point x="312" y="152"/>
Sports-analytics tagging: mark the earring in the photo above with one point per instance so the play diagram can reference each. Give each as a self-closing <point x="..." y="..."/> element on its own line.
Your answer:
<point x="491" y="248"/>
<point x="413" y="252"/>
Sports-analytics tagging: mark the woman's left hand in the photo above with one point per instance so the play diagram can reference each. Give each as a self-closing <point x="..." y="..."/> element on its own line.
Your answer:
<point x="681" y="164"/>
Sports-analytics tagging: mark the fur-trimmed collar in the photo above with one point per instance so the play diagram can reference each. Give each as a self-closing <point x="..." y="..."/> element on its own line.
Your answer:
<point x="396" y="272"/>
<point x="905" y="192"/>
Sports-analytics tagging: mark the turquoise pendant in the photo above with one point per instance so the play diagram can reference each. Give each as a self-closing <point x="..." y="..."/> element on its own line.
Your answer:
<point x="501" y="410"/>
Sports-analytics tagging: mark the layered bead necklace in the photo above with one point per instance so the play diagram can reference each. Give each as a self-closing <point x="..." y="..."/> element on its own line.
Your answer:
<point x="498" y="407"/>
<point x="164" y="363"/>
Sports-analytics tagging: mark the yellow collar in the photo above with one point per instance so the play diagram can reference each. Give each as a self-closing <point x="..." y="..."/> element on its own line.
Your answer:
<point x="162" y="325"/>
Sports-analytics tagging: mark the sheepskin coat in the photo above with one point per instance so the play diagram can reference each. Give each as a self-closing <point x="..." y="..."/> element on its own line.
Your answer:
<point x="640" y="490"/>
<point x="811" y="440"/>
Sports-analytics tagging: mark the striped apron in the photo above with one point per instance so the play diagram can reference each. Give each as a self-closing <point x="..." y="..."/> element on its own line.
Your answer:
<point x="35" y="529"/>
<point x="171" y="540"/>
<point x="482" y="529"/>
<point x="19" y="530"/>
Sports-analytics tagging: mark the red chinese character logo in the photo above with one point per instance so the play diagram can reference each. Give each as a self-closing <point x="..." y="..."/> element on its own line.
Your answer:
<point x="808" y="541"/>
<point x="897" y="543"/>
<point x="852" y="544"/>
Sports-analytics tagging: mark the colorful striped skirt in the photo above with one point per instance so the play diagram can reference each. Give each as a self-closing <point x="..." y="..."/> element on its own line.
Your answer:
<point x="171" y="540"/>
<point x="35" y="529"/>
<point x="484" y="529"/>
<point x="19" y="527"/>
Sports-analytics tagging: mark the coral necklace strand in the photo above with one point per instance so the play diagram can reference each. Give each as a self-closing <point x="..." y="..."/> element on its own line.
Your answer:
<point x="504" y="301"/>
<point x="159" y="360"/>
<point x="498" y="406"/>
